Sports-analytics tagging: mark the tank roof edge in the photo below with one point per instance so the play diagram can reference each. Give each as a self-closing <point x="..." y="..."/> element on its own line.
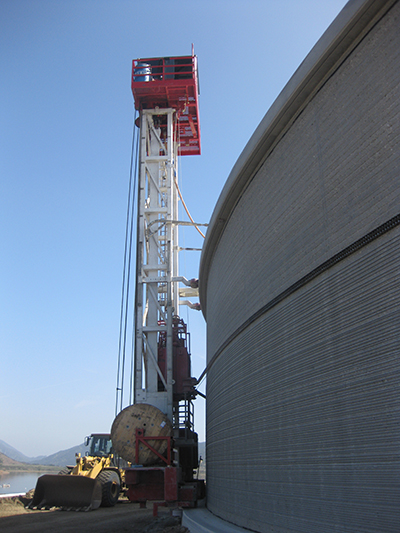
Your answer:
<point x="353" y="22"/>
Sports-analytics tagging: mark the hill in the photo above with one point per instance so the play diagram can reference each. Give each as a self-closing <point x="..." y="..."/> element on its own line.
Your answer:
<point x="7" y="461"/>
<point x="12" y="453"/>
<point x="61" y="458"/>
<point x="202" y="450"/>
<point x="64" y="457"/>
<point x="9" y="465"/>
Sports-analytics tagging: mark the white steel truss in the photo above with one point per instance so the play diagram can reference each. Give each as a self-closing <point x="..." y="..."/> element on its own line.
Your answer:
<point x="157" y="296"/>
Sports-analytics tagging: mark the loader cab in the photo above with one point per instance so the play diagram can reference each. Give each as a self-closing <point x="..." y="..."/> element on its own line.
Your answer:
<point x="100" y="444"/>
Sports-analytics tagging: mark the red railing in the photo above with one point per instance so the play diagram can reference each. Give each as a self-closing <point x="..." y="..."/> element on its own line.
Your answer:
<point x="157" y="69"/>
<point x="171" y="82"/>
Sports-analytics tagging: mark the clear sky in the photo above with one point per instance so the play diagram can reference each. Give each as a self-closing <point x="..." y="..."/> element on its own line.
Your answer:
<point x="66" y="112"/>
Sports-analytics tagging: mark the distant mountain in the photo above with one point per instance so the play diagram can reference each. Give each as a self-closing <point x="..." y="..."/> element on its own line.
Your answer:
<point x="202" y="450"/>
<point x="62" y="458"/>
<point x="8" y="466"/>
<point x="7" y="461"/>
<point x="13" y="453"/>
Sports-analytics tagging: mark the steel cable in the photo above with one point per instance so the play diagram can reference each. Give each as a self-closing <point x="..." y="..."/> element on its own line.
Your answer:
<point x="125" y="278"/>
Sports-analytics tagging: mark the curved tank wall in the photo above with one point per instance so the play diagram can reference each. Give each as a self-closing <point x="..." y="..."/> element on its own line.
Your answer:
<point x="300" y="288"/>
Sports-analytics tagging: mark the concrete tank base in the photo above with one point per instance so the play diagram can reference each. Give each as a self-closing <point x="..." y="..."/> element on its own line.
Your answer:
<point x="202" y="521"/>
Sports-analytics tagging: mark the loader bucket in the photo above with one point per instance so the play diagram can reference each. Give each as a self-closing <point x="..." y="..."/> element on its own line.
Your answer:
<point x="71" y="492"/>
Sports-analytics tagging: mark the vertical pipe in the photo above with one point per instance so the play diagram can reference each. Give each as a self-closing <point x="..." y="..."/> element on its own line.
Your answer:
<point x="139" y="263"/>
<point x="171" y="273"/>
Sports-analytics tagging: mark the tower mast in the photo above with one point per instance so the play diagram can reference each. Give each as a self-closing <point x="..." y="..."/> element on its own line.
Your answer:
<point x="166" y="94"/>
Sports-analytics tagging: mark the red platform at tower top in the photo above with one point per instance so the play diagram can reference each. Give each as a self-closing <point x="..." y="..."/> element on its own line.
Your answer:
<point x="171" y="82"/>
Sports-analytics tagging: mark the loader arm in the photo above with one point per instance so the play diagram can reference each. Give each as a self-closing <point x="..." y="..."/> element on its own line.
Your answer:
<point x="90" y="466"/>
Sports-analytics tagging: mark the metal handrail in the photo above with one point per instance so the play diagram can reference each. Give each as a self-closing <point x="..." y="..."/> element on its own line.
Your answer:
<point x="162" y="69"/>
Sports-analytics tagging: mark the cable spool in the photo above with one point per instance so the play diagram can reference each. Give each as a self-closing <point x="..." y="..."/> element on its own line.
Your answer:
<point x="152" y="421"/>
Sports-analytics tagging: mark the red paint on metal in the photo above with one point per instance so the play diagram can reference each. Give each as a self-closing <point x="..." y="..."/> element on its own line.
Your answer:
<point x="171" y="484"/>
<point x="163" y="485"/>
<point x="171" y="82"/>
<point x="156" y="505"/>
<point x="148" y="485"/>
<point x="142" y="439"/>
<point x="184" y="384"/>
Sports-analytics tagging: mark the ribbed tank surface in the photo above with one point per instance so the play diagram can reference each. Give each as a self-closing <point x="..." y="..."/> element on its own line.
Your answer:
<point x="300" y="287"/>
<point x="303" y="406"/>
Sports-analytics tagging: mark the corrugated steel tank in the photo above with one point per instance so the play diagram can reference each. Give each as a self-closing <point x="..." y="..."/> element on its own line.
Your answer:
<point x="300" y="287"/>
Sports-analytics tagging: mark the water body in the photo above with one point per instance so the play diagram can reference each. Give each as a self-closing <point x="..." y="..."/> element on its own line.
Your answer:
<point x="19" y="482"/>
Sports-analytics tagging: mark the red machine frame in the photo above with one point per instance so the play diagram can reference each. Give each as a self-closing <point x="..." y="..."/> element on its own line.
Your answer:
<point x="171" y="82"/>
<point x="142" y="439"/>
<point x="163" y="485"/>
<point x="184" y="384"/>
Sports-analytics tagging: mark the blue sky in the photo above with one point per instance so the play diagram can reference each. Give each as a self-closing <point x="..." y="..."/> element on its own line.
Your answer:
<point x="66" y="112"/>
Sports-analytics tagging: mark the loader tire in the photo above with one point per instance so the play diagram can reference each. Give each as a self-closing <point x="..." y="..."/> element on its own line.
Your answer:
<point x="110" y="487"/>
<point x="65" y="471"/>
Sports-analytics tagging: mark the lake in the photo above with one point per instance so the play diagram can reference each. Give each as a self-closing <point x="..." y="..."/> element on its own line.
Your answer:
<point x="19" y="482"/>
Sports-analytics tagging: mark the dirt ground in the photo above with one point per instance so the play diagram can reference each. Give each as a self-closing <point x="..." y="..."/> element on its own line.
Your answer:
<point x="124" y="517"/>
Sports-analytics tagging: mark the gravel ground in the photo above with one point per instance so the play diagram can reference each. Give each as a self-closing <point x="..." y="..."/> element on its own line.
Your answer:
<point x="124" y="517"/>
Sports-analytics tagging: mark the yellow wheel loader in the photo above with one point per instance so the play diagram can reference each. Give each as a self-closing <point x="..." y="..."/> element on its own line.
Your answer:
<point x="94" y="480"/>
